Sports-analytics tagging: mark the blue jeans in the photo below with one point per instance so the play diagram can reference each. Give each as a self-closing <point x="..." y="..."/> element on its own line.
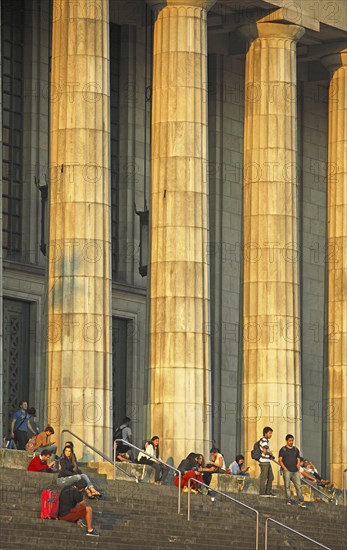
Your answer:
<point x="295" y="478"/>
<point x="70" y="480"/>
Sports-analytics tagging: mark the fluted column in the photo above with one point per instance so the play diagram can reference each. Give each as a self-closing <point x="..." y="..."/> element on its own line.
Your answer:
<point x="79" y="306"/>
<point x="271" y="310"/>
<point x="179" y="286"/>
<point x="337" y="266"/>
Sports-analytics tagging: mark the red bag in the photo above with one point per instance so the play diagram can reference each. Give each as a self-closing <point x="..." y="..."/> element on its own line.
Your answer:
<point x="49" y="504"/>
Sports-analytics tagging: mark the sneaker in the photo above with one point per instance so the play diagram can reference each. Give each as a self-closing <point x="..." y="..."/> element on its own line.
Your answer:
<point x="92" y="533"/>
<point x="185" y="490"/>
<point x="194" y="491"/>
<point x="81" y="524"/>
<point x="289" y="502"/>
<point x="302" y="505"/>
<point x="272" y="495"/>
<point x="266" y="496"/>
<point x="203" y="491"/>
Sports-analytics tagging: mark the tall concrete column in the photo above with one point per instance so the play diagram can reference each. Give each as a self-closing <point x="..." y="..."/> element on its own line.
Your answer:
<point x="271" y="290"/>
<point x="79" y="302"/>
<point x="179" y="402"/>
<point x="337" y="266"/>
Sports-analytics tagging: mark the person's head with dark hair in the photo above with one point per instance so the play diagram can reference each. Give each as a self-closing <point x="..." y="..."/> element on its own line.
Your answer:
<point x="289" y="440"/>
<point x="69" y="444"/>
<point x="267" y="432"/>
<point x="49" y="430"/>
<point x="45" y="454"/>
<point x="155" y="443"/>
<point x="126" y="420"/>
<point x="214" y="450"/>
<point x="32" y="411"/>
<point x="240" y="459"/>
<point x="191" y="457"/>
<point x="81" y="484"/>
<point x="200" y="460"/>
<point x="146" y="443"/>
<point x="23" y="405"/>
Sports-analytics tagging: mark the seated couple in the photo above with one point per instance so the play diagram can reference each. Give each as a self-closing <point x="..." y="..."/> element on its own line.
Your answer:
<point x="193" y="468"/>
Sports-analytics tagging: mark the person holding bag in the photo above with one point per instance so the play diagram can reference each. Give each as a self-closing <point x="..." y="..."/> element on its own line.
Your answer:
<point x="19" y="426"/>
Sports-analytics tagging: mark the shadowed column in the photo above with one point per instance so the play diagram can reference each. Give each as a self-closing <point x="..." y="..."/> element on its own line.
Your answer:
<point x="179" y="271"/>
<point x="271" y="294"/>
<point x="79" y="306"/>
<point x="337" y="266"/>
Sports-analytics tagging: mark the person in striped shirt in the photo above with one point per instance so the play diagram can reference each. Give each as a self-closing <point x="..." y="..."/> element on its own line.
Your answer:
<point x="266" y="473"/>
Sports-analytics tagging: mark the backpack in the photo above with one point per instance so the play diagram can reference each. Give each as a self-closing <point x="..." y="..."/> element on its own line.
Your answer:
<point x="256" y="451"/>
<point x="118" y="434"/>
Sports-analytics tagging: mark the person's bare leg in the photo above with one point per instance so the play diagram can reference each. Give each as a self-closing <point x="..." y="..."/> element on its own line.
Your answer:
<point x="89" y="517"/>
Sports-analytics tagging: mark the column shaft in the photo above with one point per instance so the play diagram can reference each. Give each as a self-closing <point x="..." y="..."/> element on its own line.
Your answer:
<point x="179" y="286"/>
<point x="79" y="301"/>
<point x="337" y="269"/>
<point x="271" y="311"/>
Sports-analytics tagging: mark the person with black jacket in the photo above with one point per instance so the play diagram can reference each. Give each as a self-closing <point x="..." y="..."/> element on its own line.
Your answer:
<point x="69" y="473"/>
<point x="189" y="469"/>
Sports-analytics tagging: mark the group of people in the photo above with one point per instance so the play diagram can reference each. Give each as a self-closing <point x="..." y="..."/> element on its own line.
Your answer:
<point x="294" y="468"/>
<point x="74" y="483"/>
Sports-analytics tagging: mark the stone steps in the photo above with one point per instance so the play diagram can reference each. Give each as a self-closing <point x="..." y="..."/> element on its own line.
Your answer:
<point x="132" y="514"/>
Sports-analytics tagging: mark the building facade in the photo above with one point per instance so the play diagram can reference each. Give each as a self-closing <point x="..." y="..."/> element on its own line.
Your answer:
<point x="209" y="136"/>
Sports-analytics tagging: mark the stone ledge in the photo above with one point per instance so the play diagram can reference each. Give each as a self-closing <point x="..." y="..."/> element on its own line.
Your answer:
<point x="17" y="460"/>
<point x="141" y="471"/>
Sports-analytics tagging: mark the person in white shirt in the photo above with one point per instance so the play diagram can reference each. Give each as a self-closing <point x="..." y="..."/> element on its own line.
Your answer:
<point x="266" y="473"/>
<point x="161" y="471"/>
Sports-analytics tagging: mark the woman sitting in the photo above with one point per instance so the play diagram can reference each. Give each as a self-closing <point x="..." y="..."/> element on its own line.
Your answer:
<point x="142" y="458"/>
<point x="236" y="467"/>
<point x="189" y="469"/>
<point x="161" y="471"/>
<point x="69" y="473"/>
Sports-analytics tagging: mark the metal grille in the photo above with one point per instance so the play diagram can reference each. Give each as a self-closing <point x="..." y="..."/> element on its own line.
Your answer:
<point x="12" y="116"/>
<point x="114" y="99"/>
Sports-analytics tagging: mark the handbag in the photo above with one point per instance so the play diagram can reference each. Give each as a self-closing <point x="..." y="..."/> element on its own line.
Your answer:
<point x="30" y="445"/>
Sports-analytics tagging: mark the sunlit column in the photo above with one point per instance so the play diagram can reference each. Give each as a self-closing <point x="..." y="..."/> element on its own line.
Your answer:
<point x="79" y="307"/>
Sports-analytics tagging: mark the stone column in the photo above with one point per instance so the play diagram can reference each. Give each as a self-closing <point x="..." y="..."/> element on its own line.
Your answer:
<point x="337" y="266"/>
<point x="271" y="288"/>
<point x="179" y="402"/>
<point x="79" y="302"/>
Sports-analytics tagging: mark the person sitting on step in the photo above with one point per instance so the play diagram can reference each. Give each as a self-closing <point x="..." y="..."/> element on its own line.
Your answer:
<point x="142" y="458"/>
<point x="236" y="467"/>
<point x="73" y="508"/>
<point x="161" y="471"/>
<point x="189" y="469"/>
<point x="69" y="473"/>
<point x="40" y="463"/>
<point x="43" y="442"/>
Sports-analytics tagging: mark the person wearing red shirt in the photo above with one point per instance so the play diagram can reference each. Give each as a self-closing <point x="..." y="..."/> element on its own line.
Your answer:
<point x="40" y="463"/>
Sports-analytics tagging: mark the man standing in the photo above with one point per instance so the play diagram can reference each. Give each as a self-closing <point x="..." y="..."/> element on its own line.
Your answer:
<point x="19" y="426"/>
<point x="289" y="457"/>
<point x="266" y="473"/>
<point x="73" y="508"/>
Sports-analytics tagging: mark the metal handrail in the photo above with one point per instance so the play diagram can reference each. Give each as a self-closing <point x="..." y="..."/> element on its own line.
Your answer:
<point x="100" y="453"/>
<point x="344" y="488"/>
<point x="151" y="457"/>
<point x="293" y="531"/>
<point x="230" y="498"/>
<point x="318" y="490"/>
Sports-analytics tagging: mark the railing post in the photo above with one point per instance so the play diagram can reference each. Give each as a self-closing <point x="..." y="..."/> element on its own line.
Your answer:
<point x="188" y="500"/>
<point x="179" y="491"/>
<point x="344" y="488"/>
<point x="265" y="541"/>
<point x="114" y="459"/>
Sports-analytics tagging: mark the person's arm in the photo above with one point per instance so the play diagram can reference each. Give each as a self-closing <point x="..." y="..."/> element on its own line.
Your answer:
<point x="307" y="475"/>
<point x="280" y="458"/>
<point x="12" y="426"/>
<point x="245" y="470"/>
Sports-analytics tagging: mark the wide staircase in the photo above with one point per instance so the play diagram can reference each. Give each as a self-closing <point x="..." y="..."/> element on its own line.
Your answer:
<point x="144" y="516"/>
